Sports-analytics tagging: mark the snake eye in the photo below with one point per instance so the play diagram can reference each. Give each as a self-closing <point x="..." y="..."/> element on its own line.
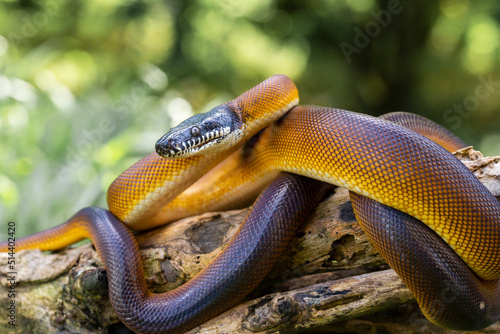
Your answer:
<point x="195" y="131"/>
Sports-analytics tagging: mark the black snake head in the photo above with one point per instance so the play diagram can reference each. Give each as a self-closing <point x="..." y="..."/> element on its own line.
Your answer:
<point x="213" y="131"/>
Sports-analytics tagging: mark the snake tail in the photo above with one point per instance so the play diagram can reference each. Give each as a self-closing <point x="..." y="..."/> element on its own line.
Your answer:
<point x="58" y="237"/>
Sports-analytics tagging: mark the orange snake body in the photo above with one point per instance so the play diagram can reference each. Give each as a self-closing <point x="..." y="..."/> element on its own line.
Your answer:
<point x="415" y="180"/>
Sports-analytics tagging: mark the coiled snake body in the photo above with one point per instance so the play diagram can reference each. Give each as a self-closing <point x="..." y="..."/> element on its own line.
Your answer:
<point x="432" y="220"/>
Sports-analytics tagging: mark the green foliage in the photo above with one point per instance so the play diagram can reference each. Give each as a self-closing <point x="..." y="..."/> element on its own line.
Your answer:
<point x="86" y="87"/>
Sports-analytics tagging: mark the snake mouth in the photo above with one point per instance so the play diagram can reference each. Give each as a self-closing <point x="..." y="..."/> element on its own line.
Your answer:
<point x="203" y="141"/>
<point x="197" y="142"/>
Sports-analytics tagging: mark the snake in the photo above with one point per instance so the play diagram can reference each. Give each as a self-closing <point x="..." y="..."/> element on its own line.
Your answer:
<point x="432" y="220"/>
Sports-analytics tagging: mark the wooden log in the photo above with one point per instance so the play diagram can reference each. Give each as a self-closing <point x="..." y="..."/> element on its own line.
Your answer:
<point x="330" y="274"/>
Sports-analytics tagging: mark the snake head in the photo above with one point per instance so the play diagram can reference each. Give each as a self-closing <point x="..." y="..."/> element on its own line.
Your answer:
<point x="213" y="131"/>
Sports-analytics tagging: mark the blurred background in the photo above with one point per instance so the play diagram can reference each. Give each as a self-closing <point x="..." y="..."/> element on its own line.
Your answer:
<point x="87" y="87"/>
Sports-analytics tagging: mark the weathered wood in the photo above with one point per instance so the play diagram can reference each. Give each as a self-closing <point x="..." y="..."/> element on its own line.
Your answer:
<point x="312" y="306"/>
<point x="67" y="290"/>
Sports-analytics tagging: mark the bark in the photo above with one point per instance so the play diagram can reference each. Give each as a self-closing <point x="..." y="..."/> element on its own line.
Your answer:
<point x="331" y="279"/>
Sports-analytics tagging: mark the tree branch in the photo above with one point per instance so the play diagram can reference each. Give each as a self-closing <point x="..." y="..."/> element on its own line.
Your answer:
<point x="330" y="274"/>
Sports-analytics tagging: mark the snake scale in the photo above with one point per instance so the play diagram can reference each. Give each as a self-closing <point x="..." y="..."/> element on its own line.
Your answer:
<point x="430" y="218"/>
